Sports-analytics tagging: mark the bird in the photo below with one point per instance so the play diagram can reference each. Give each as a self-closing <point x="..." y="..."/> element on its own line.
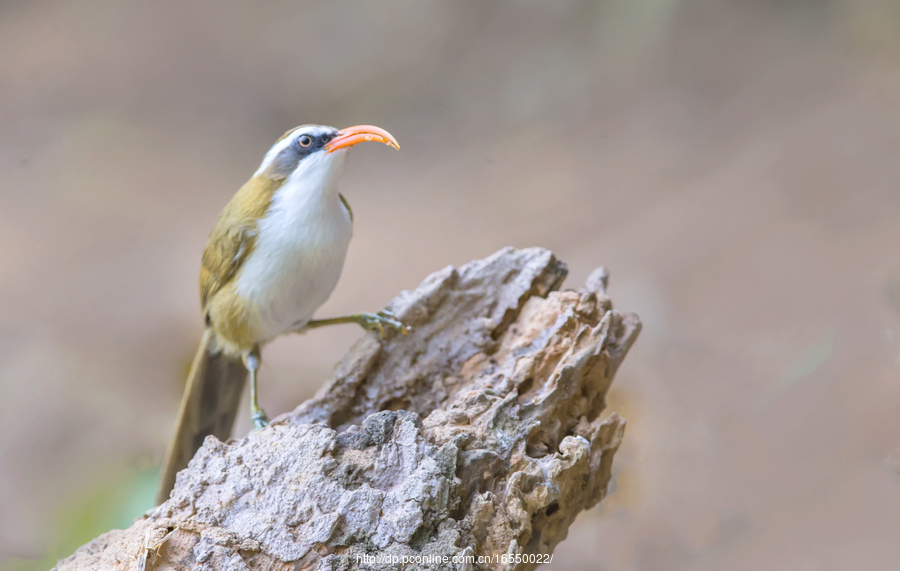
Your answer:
<point x="273" y="257"/>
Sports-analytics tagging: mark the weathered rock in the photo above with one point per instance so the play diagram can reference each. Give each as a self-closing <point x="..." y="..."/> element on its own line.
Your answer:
<point x="470" y="443"/>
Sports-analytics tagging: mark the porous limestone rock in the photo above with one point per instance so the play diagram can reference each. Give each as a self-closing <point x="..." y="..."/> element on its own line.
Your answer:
<point x="471" y="442"/>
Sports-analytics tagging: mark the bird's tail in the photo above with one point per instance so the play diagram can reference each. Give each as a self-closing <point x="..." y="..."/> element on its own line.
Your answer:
<point x="210" y="402"/>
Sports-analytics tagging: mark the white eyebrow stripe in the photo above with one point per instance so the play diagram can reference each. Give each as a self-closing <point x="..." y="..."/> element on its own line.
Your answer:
<point x="273" y="153"/>
<point x="313" y="130"/>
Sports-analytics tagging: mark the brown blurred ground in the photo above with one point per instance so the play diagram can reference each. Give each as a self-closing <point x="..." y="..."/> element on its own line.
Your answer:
<point x="734" y="164"/>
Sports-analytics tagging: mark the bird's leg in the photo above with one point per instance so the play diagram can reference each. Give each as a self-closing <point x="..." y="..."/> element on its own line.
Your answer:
<point x="251" y="361"/>
<point x="380" y="321"/>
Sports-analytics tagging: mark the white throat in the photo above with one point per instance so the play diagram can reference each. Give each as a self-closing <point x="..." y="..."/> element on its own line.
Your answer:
<point x="315" y="178"/>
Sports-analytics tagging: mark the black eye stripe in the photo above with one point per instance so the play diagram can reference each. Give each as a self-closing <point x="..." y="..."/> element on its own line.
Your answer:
<point x="315" y="143"/>
<point x="290" y="157"/>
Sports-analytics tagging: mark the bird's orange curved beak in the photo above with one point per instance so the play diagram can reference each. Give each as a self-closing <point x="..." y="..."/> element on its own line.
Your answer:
<point x="352" y="135"/>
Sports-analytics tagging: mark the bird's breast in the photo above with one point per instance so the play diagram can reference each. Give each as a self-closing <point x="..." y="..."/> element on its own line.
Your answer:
<point x="297" y="260"/>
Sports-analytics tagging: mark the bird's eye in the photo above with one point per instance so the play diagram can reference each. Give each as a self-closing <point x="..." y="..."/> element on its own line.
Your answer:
<point x="304" y="141"/>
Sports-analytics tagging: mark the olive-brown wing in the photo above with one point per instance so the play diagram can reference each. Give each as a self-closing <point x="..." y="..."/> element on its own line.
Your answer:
<point x="234" y="235"/>
<point x="229" y="245"/>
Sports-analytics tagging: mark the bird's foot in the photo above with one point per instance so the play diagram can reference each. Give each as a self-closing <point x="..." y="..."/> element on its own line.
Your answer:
<point x="260" y="419"/>
<point x="381" y="322"/>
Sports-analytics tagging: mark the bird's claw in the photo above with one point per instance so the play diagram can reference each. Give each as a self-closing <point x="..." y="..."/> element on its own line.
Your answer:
<point x="260" y="419"/>
<point x="382" y="321"/>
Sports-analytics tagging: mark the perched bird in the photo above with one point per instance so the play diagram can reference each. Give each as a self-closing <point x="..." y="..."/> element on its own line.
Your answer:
<point x="273" y="257"/>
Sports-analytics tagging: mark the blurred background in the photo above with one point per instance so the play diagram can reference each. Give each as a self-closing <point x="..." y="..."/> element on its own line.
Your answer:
<point x="735" y="164"/>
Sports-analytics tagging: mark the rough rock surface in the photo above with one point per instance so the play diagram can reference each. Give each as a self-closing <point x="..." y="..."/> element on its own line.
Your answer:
<point x="470" y="443"/>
